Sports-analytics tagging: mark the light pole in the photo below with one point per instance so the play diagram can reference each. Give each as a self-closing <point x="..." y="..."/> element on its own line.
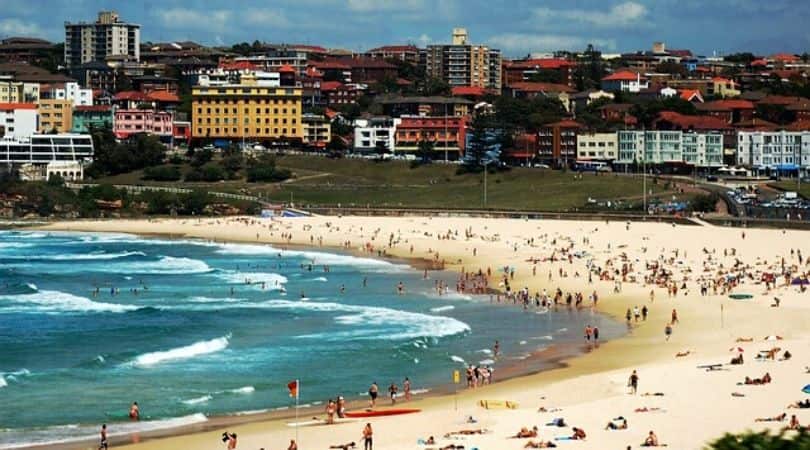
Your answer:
<point x="485" y="183"/>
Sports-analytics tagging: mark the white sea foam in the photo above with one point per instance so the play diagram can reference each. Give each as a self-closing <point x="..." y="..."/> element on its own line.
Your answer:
<point x="79" y="257"/>
<point x="272" y="281"/>
<point x="486" y="362"/>
<point x="187" y="352"/>
<point x="458" y="359"/>
<point x="64" y="434"/>
<point x="166" y="265"/>
<point x="52" y="302"/>
<point x="321" y="279"/>
<point x="243" y="390"/>
<point x="32" y="286"/>
<point x="315" y="258"/>
<point x="397" y="324"/>
<point x="485" y="351"/>
<point x="198" y="400"/>
<point x="3" y="382"/>
<point x="442" y="308"/>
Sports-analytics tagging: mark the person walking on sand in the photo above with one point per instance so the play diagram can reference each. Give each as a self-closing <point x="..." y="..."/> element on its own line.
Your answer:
<point x="103" y="444"/>
<point x="368" y="434"/>
<point x="392" y="391"/>
<point x="293" y="445"/>
<point x="674" y="316"/>
<point x="406" y="386"/>
<point x="668" y="332"/>
<point x="633" y="383"/>
<point x="372" y="392"/>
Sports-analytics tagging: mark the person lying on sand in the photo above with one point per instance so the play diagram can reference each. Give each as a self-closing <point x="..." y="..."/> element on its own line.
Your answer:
<point x="578" y="435"/>
<point x="344" y="446"/>
<point x="748" y="339"/>
<point x="794" y="424"/>
<point x="737" y="360"/>
<point x="541" y="444"/>
<point x="619" y="423"/>
<point x="543" y="409"/>
<point x="466" y="432"/>
<point x="645" y="409"/>
<point x="682" y="354"/>
<point x="779" y="418"/>
<point x="526" y="433"/>
<point x="557" y="422"/>
<point x="652" y="394"/>
<point x="800" y="404"/>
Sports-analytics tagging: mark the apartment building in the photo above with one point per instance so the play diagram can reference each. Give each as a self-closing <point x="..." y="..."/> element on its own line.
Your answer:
<point x="405" y="53"/>
<point x="107" y="37"/>
<point x="316" y="129"/>
<point x="463" y="64"/>
<point x="448" y="134"/>
<point x="40" y="156"/>
<point x="70" y="91"/>
<point x="17" y="91"/>
<point x="55" y="116"/>
<point x="253" y="110"/>
<point x="670" y="148"/>
<point x="768" y="151"/>
<point x="86" y="118"/>
<point x="557" y="142"/>
<point x="597" y="146"/>
<point x="128" y="122"/>
<point x="18" y="120"/>
<point x="369" y="133"/>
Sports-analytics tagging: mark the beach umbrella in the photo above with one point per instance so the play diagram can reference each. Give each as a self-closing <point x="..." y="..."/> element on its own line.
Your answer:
<point x="772" y="338"/>
<point x="806" y="389"/>
<point x="738" y="349"/>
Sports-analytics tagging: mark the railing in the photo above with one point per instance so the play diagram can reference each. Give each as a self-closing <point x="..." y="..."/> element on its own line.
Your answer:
<point x="141" y="188"/>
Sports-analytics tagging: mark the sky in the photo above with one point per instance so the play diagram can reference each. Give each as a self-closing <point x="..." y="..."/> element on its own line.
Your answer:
<point x="517" y="27"/>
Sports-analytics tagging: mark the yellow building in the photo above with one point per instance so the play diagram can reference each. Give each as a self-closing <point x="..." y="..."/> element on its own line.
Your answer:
<point x="55" y="115"/>
<point x="18" y="92"/>
<point x="317" y="130"/>
<point x="251" y="110"/>
<point x="724" y="88"/>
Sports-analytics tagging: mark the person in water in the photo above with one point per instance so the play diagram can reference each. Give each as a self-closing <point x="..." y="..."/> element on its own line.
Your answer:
<point x="134" y="411"/>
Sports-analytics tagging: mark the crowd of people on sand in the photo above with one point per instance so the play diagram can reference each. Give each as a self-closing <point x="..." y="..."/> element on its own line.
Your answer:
<point x="724" y="271"/>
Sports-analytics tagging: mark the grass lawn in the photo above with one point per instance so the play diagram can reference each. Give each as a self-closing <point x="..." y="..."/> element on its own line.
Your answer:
<point x="357" y="182"/>
<point x="804" y="190"/>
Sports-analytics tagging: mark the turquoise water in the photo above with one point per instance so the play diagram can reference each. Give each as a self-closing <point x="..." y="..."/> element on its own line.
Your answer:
<point x="195" y="340"/>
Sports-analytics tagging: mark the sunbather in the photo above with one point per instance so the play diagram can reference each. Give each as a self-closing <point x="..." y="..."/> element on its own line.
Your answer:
<point x="779" y="418"/>
<point x="651" y="441"/>
<point x="619" y="423"/>
<point x="541" y="444"/>
<point x="801" y="404"/>
<point x="526" y="433"/>
<point x="348" y="446"/>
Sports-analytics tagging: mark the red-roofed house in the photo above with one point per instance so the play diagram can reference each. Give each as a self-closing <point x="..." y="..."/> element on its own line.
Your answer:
<point x="625" y="81"/>
<point x="691" y="95"/>
<point x="238" y="66"/>
<point x="785" y="58"/>
<point x="470" y="92"/>
<point x="724" y="88"/>
<point x="130" y="99"/>
<point x="445" y="132"/>
<point x="756" y="124"/>
<point x="336" y="93"/>
<point x="800" y="108"/>
<point x="18" y="120"/>
<point x="526" y="70"/>
<point x="557" y="142"/>
<point x="731" y="111"/>
<point x="799" y="125"/>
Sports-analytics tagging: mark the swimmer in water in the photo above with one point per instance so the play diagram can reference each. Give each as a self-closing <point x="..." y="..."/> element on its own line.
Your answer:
<point x="134" y="411"/>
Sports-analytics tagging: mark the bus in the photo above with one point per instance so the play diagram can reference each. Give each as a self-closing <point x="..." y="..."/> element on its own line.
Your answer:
<point x="591" y="166"/>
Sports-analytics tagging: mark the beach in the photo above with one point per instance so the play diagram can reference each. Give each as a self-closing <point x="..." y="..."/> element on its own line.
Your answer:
<point x="588" y="391"/>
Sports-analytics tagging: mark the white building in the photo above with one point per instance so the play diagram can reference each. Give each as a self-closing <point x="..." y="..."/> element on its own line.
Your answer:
<point x="625" y="81"/>
<point x="369" y="132"/>
<point x="40" y="156"/>
<point x="597" y="146"/>
<point x="670" y="147"/>
<point x="774" y="150"/>
<point x="18" y="120"/>
<point x="69" y="91"/>
<point x="106" y="37"/>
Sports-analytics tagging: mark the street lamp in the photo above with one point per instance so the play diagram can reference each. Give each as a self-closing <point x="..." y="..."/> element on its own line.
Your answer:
<point x="485" y="183"/>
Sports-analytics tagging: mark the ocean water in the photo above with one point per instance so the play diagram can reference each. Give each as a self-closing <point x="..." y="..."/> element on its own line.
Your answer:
<point x="192" y="329"/>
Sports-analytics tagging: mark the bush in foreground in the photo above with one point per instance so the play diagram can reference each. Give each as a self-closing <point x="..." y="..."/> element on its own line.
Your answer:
<point x="762" y="441"/>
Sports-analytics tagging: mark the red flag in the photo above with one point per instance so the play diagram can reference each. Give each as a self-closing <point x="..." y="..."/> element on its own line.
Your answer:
<point x="293" y="387"/>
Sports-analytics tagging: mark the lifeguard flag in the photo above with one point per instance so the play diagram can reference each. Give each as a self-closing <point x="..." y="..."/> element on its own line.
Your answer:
<point x="293" y="387"/>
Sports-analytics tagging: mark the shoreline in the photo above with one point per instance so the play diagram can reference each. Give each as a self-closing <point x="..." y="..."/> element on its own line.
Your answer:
<point x="551" y="357"/>
<point x="585" y="374"/>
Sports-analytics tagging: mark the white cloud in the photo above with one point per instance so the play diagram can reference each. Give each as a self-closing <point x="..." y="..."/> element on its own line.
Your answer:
<point x="385" y="5"/>
<point x="424" y="40"/>
<point x="520" y="42"/>
<point x="16" y="27"/>
<point x="267" y="18"/>
<point x="619" y="15"/>
<point x="182" y="18"/>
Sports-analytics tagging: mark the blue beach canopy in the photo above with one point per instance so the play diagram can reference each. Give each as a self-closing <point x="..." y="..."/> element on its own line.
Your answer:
<point x="806" y="389"/>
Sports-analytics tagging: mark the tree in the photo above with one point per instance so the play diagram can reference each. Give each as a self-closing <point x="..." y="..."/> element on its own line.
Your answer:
<point x="741" y="58"/>
<point x="201" y="157"/>
<point x="112" y="158"/>
<point x="162" y="173"/>
<point x="194" y="202"/>
<point x="436" y="86"/>
<point x="381" y="149"/>
<point x="775" y="113"/>
<point x="673" y="68"/>
<point x="762" y="441"/>
<point x="336" y="144"/>
<point x="424" y="151"/>
<point x="482" y="126"/>
<point x="264" y="169"/>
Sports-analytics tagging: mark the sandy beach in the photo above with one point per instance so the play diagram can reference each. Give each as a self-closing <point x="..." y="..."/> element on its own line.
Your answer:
<point x="628" y="265"/>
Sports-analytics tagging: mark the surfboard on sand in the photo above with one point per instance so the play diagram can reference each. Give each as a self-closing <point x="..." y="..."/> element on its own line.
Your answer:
<point x="382" y="412"/>
<point x="316" y="421"/>
<point x="498" y="404"/>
